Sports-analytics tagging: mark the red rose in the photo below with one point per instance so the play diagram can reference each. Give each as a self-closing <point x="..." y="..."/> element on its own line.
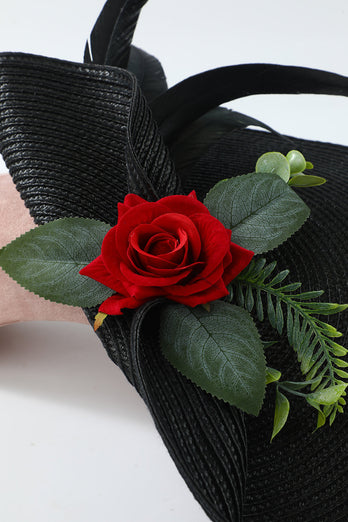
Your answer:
<point x="172" y="248"/>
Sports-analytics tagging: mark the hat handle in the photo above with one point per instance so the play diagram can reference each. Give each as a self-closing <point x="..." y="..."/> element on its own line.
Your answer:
<point x="193" y="97"/>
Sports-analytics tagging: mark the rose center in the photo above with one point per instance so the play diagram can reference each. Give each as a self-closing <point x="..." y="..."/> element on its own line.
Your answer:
<point x="161" y="244"/>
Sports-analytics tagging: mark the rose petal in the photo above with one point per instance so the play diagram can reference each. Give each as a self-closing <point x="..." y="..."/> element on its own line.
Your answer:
<point x="121" y="209"/>
<point x="241" y="257"/>
<point x="141" y="262"/>
<point x="96" y="270"/>
<point x="109" y="253"/>
<point x="215" y="241"/>
<point x="140" y="214"/>
<point x="206" y="296"/>
<point x="143" y="258"/>
<point x="152" y="270"/>
<point x="143" y="233"/>
<point x="161" y="244"/>
<point x="186" y="205"/>
<point x="144" y="237"/>
<point x="197" y="284"/>
<point x="116" y="303"/>
<point x="174" y="222"/>
<point x="227" y="259"/>
<point x="132" y="200"/>
<point x="143" y="292"/>
<point x="150" y="280"/>
<point x="179" y="255"/>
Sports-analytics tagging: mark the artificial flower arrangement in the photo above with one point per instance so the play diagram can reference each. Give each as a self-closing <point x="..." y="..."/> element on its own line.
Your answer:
<point x="180" y="249"/>
<point x="109" y="161"/>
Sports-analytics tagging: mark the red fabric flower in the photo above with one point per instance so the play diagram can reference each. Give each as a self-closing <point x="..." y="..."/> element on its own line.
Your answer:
<point x="173" y="248"/>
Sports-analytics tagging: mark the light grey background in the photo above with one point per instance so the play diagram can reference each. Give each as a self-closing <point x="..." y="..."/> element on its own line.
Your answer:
<point x="76" y="442"/>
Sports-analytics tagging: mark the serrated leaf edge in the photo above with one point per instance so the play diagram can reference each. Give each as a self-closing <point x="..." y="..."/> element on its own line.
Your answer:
<point x="217" y="395"/>
<point x="253" y="174"/>
<point x="28" y="289"/>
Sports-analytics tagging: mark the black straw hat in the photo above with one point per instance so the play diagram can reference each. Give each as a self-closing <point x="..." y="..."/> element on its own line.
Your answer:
<point x="64" y="125"/>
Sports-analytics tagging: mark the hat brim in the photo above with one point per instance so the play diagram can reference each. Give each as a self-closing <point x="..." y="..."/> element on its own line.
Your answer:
<point x="65" y="153"/>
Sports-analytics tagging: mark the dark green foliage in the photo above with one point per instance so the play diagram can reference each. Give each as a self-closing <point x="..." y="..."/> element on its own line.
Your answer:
<point x="47" y="259"/>
<point x="219" y="350"/>
<point x="261" y="210"/>
<point x="311" y="338"/>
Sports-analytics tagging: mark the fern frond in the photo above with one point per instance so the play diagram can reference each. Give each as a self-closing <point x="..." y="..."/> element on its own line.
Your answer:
<point x="310" y="337"/>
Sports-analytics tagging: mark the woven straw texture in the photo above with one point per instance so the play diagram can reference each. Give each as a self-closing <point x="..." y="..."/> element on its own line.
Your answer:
<point x="301" y="476"/>
<point x="75" y="138"/>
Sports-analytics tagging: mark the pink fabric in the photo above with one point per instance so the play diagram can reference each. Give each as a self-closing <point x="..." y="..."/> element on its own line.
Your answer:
<point x="16" y="303"/>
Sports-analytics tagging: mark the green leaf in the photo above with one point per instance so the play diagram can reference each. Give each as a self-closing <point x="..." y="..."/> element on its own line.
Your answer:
<point x="272" y="375"/>
<point x="279" y="317"/>
<point x="296" y="161"/>
<point x="273" y="163"/>
<point x="47" y="259"/>
<point x="290" y="287"/>
<point x="306" y="180"/>
<point x="333" y="416"/>
<point x="257" y="267"/>
<point x="220" y="351"/>
<point x="281" y="412"/>
<point x="268" y="344"/>
<point x="341" y="363"/>
<point x="309" y="295"/>
<point x="249" y="299"/>
<point x="337" y="349"/>
<point x="325" y="308"/>
<point x="308" y="335"/>
<point x="328" y="409"/>
<point x="328" y="395"/>
<point x="328" y="329"/>
<point x="259" y="306"/>
<point x="279" y="277"/>
<point x="240" y="297"/>
<point x="270" y="311"/>
<point x="261" y="210"/>
<point x="342" y="374"/>
<point x="321" y="419"/>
